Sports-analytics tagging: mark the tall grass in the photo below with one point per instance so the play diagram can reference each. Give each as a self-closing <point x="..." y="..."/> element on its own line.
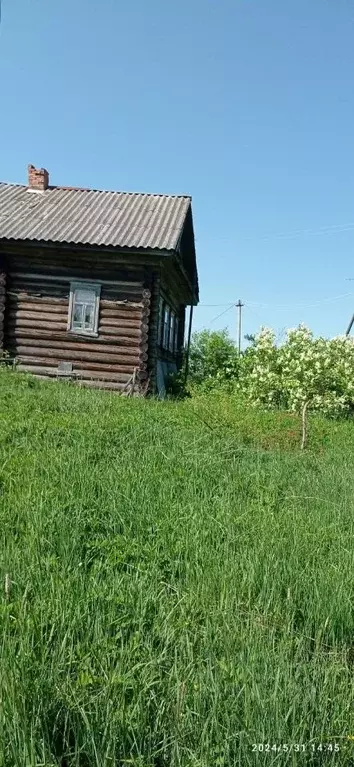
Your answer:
<point x="179" y="582"/>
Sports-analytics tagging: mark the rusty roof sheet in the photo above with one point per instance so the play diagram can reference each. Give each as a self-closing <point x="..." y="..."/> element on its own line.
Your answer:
<point x="89" y="217"/>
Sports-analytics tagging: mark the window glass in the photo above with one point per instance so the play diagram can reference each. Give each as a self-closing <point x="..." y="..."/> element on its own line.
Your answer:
<point x="84" y="308"/>
<point x="166" y="327"/>
<point x="176" y="334"/>
<point x="172" y="332"/>
<point x="89" y="316"/>
<point x="84" y="296"/>
<point x="77" y="315"/>
<point x="160" y="323"/>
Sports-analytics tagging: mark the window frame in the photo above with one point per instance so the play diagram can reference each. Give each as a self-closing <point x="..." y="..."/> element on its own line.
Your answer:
<point x="96" y="288"/>
<point x="171" y="335"/>
<point x="160" y="328"/>
<point x="166" y="327"/>
<point x="176" y="335"/>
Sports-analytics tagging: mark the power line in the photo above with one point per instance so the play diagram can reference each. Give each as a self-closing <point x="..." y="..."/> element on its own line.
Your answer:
<point x="210" y="305"/>
<point x="222" y="313"/>
<point x="330" y="229"/>
<point x="251" y="308"/>
<point x="253" y="304"/>
<point x="300" y="305"/>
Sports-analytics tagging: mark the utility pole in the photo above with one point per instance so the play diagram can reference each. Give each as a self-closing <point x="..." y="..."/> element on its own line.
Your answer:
<point x="350" y="326"/>
<point x="239" y="306"/>
<point x="350" y="279"/>
<point x="193" y="301"/>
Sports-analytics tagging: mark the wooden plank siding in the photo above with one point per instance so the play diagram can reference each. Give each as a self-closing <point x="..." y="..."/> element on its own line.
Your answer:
<point x="37" y="305"/>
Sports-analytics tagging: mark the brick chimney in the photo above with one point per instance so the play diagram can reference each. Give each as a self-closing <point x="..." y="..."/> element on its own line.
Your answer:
<point x="38" y="178"/>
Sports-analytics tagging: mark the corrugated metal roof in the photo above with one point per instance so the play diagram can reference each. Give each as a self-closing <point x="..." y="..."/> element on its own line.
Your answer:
<point x="83" y="216"/>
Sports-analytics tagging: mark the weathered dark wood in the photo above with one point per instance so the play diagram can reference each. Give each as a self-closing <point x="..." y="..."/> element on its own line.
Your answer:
<point x="125" y="317"/>
<point x="37" y="296"/>
<point x="39" y="305"/>
<point x="58" y="261"/>
<point x="72" y="341"/>
<point x="105" y="332"/>
<point x="65" y="273"/>
<point x="94" y="256"/>
<point x="75" y="354"/>
<point x="34" y="317"/>
<point x="37" y="333"/>
<point x="2" y="305"/>
<point x="53" y="372"/>
<point x="128" y="311"/>
<point x="128" y="330"/>
<point x="52" y="303"/>
<point x="153" y="328"/>
<point x="142" y="373"/>
<point x="82" y="345"/>
<point x="112" y="323"/>
<point x="62" y="290"/>
<point x="78" y="365"/>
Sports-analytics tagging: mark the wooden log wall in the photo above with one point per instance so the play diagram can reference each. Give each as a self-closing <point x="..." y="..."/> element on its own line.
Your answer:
<point x="153" y="329"/>
<point x="2" y="306"/>
<point x="36" y="335"/>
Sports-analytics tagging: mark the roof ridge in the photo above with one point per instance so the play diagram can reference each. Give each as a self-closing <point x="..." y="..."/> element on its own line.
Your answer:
<point x="52" y="187"/>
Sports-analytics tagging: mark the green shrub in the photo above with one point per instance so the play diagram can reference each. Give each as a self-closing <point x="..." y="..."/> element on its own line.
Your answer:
<point x="318" y="372"/>
<point x="304" y="369"/>
<point x="176" y="385"/>
<point x="213" y="359"/>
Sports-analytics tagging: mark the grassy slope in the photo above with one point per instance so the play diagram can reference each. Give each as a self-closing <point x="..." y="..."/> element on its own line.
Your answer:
<point x="182" y="581"/>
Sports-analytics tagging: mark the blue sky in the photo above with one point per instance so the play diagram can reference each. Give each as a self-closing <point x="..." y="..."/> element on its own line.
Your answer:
<point x="247" y="105"/>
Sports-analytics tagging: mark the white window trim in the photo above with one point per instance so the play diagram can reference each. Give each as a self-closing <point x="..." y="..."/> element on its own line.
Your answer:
<point x="84" y="285"/>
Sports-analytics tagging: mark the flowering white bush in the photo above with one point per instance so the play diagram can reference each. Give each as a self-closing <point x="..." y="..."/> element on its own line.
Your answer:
<point x="303" y="369"/>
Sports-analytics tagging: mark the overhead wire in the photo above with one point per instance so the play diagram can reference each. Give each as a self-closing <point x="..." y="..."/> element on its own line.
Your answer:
<point x="302" y="305"/>
<point x="254" y="305"/>
<point x="210" y="305"/>
<point x="260" y="305"/>
<point x="330" y="229"/>
<point x="222" y="313"/>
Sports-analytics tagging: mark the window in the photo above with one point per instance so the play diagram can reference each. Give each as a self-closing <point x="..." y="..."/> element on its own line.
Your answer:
<point x="83" y="308"/>
<point x="166" y="327"/>
<point x="172" y="333"/>
<point x="176" y="334"/>
<point x="160" y="323"/>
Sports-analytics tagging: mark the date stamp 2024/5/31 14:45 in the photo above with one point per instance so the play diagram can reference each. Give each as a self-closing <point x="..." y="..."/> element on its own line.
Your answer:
<point x="331" y="747"/>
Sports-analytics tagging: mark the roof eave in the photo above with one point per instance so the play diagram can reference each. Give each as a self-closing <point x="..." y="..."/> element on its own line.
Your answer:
<point x="90" y="246"/>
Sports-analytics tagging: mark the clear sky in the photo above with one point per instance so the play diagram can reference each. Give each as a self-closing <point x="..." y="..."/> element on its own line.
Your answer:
<point x="247" y="105"/>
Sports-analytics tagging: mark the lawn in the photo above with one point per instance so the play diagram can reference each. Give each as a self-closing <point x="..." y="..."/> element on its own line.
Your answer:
<point x="177" y="582"/>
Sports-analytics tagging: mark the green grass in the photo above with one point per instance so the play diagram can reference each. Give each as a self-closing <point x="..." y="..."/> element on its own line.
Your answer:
<point x="182" y="581"/>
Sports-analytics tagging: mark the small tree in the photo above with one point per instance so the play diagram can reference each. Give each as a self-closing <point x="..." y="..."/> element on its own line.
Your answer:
<point x="213" y="357"/>
<point x="304" y="373"/>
